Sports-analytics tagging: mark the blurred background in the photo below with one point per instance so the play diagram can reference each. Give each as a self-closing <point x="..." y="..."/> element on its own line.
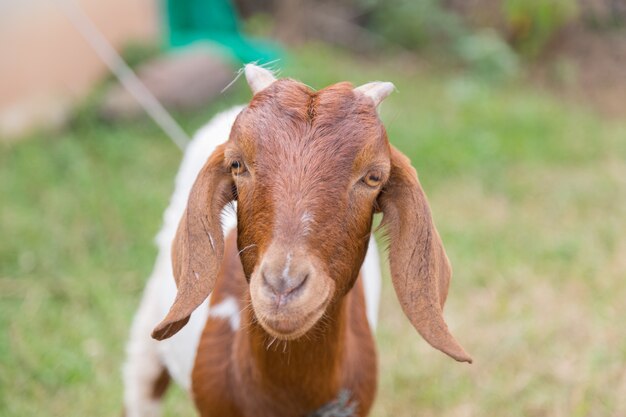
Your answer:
<point x="512" y="111"/>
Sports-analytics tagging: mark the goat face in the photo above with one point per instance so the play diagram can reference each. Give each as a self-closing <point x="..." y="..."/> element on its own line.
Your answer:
<point x="307" y="167"/>
<point x="308" y="170"/>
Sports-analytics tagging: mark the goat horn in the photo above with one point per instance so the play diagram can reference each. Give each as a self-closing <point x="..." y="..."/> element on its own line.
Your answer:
<point x="258" y="78"/>
<point x="377" y="90"/>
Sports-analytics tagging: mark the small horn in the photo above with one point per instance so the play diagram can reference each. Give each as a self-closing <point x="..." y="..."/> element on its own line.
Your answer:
<point x="258" y="78"/>
<point x="377" y="90"/>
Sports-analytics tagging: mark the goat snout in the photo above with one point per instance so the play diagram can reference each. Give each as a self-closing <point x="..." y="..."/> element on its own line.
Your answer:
<point x="289" y="291"/>
<point x="285" y="278"/>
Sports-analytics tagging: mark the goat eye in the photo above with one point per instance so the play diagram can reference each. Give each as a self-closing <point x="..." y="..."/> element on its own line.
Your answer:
<point x="373" y="179"/>
<point x="237" y="167"/>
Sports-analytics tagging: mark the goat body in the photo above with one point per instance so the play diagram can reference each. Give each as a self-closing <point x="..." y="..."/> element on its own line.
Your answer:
<point x="284" y="296"/>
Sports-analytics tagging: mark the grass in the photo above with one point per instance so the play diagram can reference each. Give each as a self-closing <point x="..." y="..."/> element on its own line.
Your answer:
<point x="528" y="193"/>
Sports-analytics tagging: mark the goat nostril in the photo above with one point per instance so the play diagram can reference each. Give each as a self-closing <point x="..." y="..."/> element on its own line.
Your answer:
<point x="266" y="283"/>
<point x="295" y="286"/>
<point x="274" y="284"/>
<point x="298" y="285"/>
<point x="283" y="288"/>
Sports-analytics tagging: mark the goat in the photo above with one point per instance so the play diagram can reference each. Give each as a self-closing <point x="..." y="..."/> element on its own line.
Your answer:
<point x="285" y="295"/>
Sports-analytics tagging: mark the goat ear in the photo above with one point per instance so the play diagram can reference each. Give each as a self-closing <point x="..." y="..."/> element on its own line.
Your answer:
<point x="198" y="248"/>
<point x="420" y="270"/>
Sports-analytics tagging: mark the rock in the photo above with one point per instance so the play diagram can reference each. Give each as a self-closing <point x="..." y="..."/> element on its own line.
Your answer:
<point x="185" y="79"/>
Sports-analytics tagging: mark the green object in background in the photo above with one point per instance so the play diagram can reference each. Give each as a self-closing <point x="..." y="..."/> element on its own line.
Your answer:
<point x="191" y="21"/>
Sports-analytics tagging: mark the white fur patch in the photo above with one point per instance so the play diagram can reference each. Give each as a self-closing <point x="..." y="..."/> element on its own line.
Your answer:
<point x="228" y="310"/>
<point x="372" y="278"/>
<point x="143" y="364"/>
<point x="179" y="352"/>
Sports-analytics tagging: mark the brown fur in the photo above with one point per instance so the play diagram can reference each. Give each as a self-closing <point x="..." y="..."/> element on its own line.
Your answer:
<point x="302" y="195"/>
<point x="281" y="378"/>
<point x="161" y="384"/>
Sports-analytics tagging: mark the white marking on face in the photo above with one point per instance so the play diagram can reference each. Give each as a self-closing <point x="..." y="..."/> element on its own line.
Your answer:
<point x="287" y="265"/>
<point x="306" y="221"/>
<point x="228" y="310"/>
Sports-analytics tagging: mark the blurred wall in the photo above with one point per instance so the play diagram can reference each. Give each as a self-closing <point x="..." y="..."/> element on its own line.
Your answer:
<point x="45" y="65"/>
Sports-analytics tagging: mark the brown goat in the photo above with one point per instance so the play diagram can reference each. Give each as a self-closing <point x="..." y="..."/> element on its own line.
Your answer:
<point x="308" y="170"/>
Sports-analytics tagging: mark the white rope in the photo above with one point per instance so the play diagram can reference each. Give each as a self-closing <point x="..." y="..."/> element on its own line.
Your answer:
<point x="85" y="26"/>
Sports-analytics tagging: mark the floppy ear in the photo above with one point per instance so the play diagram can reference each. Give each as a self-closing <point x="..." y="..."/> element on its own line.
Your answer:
<point x="198" y="248"/>
<point x="420" y="270"/>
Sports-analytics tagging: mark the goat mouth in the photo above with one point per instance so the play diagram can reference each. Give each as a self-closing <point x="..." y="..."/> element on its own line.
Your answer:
<point x="286" y="327"/>
<point x="300" y="311"/>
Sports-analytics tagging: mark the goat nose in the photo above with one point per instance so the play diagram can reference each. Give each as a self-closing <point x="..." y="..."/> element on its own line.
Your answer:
<point x="284" y="282"/>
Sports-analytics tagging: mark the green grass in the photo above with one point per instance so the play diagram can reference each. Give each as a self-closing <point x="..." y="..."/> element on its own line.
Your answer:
<point x="528" y="193"/>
